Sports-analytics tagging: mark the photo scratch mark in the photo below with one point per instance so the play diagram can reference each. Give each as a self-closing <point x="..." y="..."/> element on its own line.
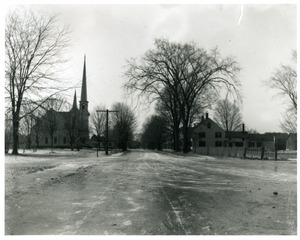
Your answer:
<point x="241" y="16"/>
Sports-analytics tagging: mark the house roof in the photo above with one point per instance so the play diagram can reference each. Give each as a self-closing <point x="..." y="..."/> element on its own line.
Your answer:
<point x="236" y="134"/>
<point x="94" y="138"/>
<point x="260" y="137"/>
<point x="267" y="136"/>
<point x="204" y="122"/>
<point x="292" y="135"/>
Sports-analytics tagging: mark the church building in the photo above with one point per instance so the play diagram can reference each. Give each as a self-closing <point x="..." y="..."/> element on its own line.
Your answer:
<point x="65" y="129"/>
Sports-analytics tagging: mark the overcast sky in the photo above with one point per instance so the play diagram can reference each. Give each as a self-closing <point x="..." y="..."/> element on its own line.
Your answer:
<point x="261" y="37"/>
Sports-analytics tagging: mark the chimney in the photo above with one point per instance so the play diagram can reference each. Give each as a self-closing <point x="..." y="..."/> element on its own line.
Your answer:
<point x="206" y="115"/>
<point x="243" y="127"/>
<point x="202" y="119"/>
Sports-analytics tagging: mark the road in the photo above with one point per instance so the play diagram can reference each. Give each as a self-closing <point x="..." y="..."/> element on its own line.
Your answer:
<point x="148" y="193"/>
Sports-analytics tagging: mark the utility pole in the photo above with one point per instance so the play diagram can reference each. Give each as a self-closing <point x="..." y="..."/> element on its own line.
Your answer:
<point x="107" y="112"/>
<point x="275" y="147"/>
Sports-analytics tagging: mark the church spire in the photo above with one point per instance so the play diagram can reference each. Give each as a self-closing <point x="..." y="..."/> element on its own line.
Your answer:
<point x="83" y="103"/>
<point x="75" y="101"/>
<point x="83" y="87"/>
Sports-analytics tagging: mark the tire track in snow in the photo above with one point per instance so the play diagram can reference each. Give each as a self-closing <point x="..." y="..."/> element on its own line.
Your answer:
<point x="176" y="213"/>
<point x="81" y="222"/>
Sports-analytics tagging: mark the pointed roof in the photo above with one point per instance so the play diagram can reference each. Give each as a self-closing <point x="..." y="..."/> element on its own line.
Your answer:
<point x="75" y="101"/>
<point x="83" y="86"/>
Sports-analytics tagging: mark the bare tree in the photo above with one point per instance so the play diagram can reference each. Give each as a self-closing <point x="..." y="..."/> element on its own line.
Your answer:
<point x="227" y="115"/>
<point x="187" y="71"/>
<point x="34" y="48"/>
<point x="98" y="120"/>
<point x="168" y="108"/>
<point x="124" y="124"/>
<point x="154" y="132"/>
<point x="284" y="80"/>
<point x="53" y="121"/>
<point x="201" y="105"/>
<point x="289" y="122"/>
<point x="26" y="125"/>
<point x="28" y="121"/>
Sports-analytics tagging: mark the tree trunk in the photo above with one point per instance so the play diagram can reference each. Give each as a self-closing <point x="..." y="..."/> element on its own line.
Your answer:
<point x="262" y="153"/>
<point x="176" y="146"/>
<point x="71" y="143"/>
<point x="124" y="146"/>
<point x="29" y="141"/>
<point x="6" y="146"/>
<point x="37" y="142"/>
<point x="52" y="143"/>
<point x="185" y="138"/>
<point x="15" y="135"/>
<point x="245" y="152"/>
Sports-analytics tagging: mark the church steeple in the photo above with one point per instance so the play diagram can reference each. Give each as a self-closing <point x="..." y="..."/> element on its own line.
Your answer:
<point x="75" y="102"/>
<point x="83" y="101"/>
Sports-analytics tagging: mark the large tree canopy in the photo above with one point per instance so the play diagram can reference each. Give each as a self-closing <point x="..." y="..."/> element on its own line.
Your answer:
<point x="188" y="72"/>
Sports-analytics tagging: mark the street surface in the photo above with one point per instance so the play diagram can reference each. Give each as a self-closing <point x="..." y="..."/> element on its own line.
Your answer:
<point x="148" y="193"/>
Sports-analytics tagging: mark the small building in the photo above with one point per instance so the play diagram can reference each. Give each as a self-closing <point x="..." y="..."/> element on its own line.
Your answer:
<point x="291" y="142"/>
<point x="100" y="142"/>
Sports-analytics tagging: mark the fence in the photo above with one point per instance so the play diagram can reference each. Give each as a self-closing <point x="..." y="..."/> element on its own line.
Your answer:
<point x="241" y="152"/>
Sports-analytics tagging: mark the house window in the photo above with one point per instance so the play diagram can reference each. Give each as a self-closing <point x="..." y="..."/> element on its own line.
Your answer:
<point x="239" y="144"/>
<point x="258" y="144"/>
<point x="55" y="140"/>
<point x="218" y="144"/>
<point x="65" y="140"/>
<point x="46" y="140"/>
<point x="201" y="134"/>
<point x="218" y="135"/>
<point x="209" y="125"/>
<point x="230" y="144"/>
<point x="201" y="143"/>
<point x="251" y="144"/>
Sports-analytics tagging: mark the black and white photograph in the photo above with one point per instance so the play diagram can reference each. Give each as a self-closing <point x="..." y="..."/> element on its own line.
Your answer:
<point x="149" y="119"/>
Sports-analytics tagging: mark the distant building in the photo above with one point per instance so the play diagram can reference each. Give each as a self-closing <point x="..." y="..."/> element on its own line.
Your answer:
<point x="100" y="142"/>
<point x="236" y="138"/>
<point x="291" y="142"/>
<point x="209" y="138"/>
<point x="70" y="128"/>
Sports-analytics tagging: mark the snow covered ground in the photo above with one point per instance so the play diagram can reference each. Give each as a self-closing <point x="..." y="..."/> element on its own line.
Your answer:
<point x="152" y="193"/>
